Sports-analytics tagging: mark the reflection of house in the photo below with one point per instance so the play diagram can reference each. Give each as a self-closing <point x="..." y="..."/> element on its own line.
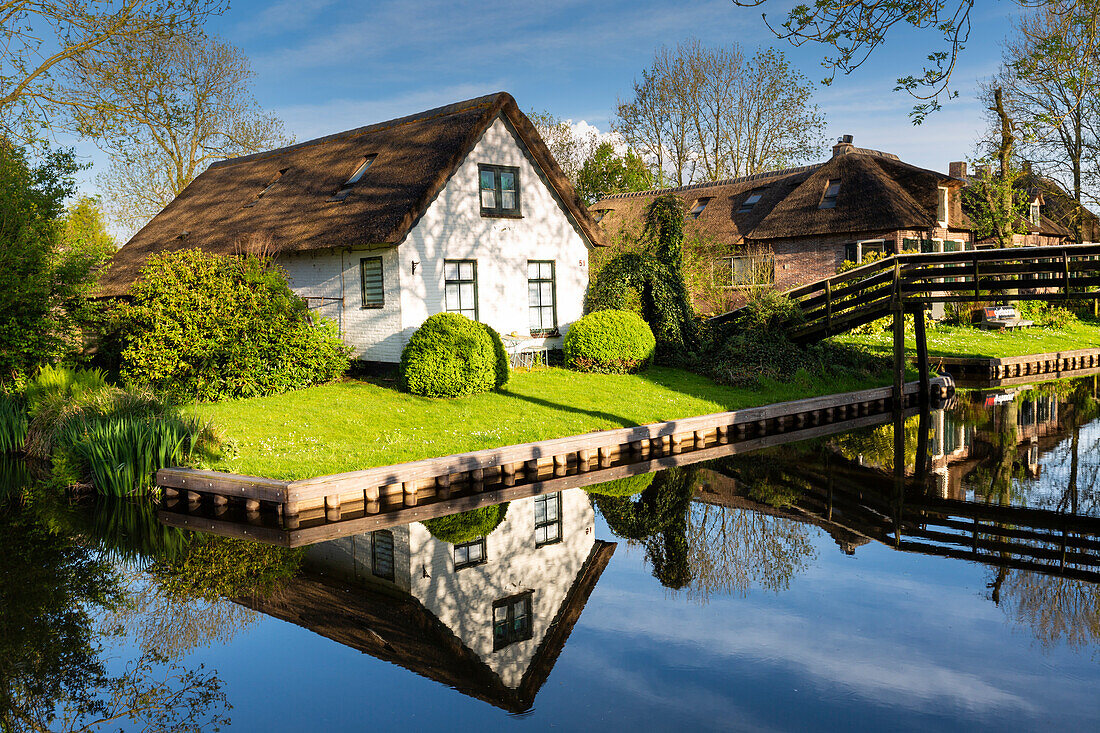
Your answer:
<point x="488" y="618"/>
<point x="460" y="208"/>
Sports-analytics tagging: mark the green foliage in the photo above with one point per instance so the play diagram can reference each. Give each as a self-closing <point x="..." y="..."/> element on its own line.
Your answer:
<point x="1045" y="314"/>
<point x="216" y="567"/>
<point x="124" y="453"/>
<point x="60" y="383"/>
<point x="13" y="423"/>
<point x="467" y="526"/>
<point x="451" y="356"/>
<point x="46" y="278"/>
<point x="606" y="173"/>
<point x="658" y="518"/>
<point x="85" y="226"/>
<point x="502" y="365"/>
<point x="208" y="327"/>
<point x="627" y="486"/>
<point x="996" y="208"/>
<point x="657" y="274"/>
<point x="609" y="341"/>
<point x="768" y="309"/>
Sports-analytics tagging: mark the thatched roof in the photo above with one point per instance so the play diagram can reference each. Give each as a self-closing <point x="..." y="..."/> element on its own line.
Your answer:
<point x="415" y="156"/>
<point x="878" y="193"/>
<point x="397" y="628"/>
<point x="1058" y="209"/>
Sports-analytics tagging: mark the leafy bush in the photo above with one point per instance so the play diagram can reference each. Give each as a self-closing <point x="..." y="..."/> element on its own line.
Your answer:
<point x="609" y="341"/>
<point x="502" y="363"/>
<point x="209" y="327"/>
<point x="627" y="486"/>
<point x="768" y="309"/>
<point x="1047" y="315"/>
<point x="13" y="423"/>
<point x="467" y="526"/>
<point x="452" y="356"/>
<point x="62" y="383"/>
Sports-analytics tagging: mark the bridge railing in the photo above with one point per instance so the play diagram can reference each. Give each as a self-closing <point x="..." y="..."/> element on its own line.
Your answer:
<point x="912" y="281"/>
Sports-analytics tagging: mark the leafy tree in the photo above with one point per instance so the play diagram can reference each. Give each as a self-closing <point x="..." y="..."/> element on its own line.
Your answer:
<point x="994" y="205"/>
<point x="205" y="326"/>
<point x="569" y="146"/>
<point x="713" y="113"/>
<point x="45" y="275"/>
<point x="606" y="173"/>
<point x="85" y="226"/>
<point x="164" y="111"/>
<point x="48" y="45"/>
<point x="656" y="273"/>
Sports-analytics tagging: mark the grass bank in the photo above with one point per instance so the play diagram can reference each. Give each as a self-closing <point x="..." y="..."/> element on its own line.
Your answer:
<point x="360" y="424"/>
<point x="974" y="342"/>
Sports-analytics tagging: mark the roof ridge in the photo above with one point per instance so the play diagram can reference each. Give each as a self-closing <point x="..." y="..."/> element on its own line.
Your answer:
<point x="483" y="102"/>
<point x="714" y="184"/>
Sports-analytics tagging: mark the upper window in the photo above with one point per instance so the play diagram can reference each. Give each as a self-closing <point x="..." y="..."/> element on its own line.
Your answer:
<point x="832" y="190"/>
<point x="370" y="276"/>
<point x="511" y="620"/>
<point x="499" y="190"/>
<point x="382" y="553"/>
<point x="470" y="553"/>
<point x="460" y="287"/>
<point x="540" y="297"/>
<point x="748" y="203"/>
<point x="942" y="206"/>
<point x="547" y="519"/>
<point x="356" y="176"/>
<point x="1034" y="214"/>
<point x="268" y="187"/>
<point x="697" y="209"/>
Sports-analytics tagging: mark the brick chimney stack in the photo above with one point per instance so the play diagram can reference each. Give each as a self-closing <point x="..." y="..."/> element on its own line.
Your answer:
<point x="843" y="146"/>
<point x="957" y="169"/>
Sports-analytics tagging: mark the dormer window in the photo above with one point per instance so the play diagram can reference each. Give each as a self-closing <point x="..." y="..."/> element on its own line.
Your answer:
<point x="748" y="203"/>
<point x="832" y="190"/>
<point x="599" y="214"/>
<point x="356" y="176"/>
<point x="942" y="206"/>
<point x="697" y="209"/>
<point x="499" y="186"/>
<point x="268" y="187"/>
<point x="1035" y="213"/>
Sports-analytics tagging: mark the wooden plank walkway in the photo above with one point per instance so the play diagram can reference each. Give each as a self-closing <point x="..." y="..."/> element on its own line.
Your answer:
<point x="306" y="510"/>
<point x="1015" y="370"/>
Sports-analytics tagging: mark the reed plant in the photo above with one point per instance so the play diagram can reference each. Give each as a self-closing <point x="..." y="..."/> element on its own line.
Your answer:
<point x="13" y="423"/>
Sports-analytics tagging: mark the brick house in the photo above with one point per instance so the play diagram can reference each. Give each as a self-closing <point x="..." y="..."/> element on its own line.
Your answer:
<point x="460" y="208"/>
<point x="789" y="227"/>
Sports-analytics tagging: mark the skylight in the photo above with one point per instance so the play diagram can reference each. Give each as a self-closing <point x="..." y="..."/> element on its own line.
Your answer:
<point x="832" y="190"/>
<point x="268" y="187"/>
<point x="364" y="164"/>
<point x="748" y="203"/>
<point x="696" y="210"/>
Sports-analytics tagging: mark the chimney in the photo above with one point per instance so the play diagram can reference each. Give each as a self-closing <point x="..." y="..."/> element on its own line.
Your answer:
<point x="957" y="169"/>
<point x="843" y="146"/>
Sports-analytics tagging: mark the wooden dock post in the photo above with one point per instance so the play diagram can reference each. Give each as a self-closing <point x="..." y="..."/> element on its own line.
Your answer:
<point x="899" y="339"/>
<point x="922" y="354"/>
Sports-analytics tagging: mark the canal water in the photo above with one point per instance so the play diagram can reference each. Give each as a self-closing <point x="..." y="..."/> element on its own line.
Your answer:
<point x="946" y="581"/>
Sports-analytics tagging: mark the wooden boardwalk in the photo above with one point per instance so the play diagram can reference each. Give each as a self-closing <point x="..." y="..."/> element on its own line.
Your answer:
<point x="293" y="513"/>
<point x="1016" y="370"/>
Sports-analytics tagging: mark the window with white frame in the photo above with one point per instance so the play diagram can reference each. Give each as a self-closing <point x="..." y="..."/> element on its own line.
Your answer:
<point x="697" y="209"/>
<point x="356" y="176"/>
<point x="547" y="519"/>
<point x="943" y="206"/>
<point x="1035" y="214"/>
<point x="460" y="287"/>
<point x="541" y="304"/>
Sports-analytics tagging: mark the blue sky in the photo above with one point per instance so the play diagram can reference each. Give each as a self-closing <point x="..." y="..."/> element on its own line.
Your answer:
<point x="328" y="65"/>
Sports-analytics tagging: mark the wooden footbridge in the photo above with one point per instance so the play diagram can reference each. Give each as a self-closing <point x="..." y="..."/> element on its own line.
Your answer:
<point x="909" y="283"/>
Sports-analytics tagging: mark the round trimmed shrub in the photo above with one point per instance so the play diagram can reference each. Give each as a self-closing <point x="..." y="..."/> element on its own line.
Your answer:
<point x="628" y="486"/>
<point x="502" y="364"/>
<point x="452" y="356"/>
<point x="610" y="342"/>
<point x="467" y="526"/>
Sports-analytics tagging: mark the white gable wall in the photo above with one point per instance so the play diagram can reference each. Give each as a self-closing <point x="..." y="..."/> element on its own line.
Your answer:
<point x="453" y="228"/>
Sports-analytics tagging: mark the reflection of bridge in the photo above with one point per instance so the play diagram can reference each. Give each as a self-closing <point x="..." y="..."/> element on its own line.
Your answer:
<point x="857" y="504"/>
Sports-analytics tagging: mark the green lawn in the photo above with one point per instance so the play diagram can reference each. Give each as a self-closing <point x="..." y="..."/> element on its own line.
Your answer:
<point x="959" y="341"/>
<point x="357" y="424"/>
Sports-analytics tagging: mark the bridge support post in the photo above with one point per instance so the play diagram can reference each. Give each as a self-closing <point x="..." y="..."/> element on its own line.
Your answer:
<point x="899" y="358"/>
<point x="922" y="354"/>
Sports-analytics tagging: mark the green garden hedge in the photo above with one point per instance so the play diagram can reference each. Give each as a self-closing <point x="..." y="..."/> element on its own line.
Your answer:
<point x="452" y="356"/>
<point x="609" y="341"/>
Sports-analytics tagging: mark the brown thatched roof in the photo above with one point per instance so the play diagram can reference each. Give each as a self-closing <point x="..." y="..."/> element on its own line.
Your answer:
<point x="415" y="157"/>
<point x="1058" y="209"/>
<point x="878" y="193"/>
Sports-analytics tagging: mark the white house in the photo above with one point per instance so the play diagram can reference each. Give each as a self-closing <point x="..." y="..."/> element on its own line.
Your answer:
<point x="488" y="617"/>
<point x="460" y="208"/>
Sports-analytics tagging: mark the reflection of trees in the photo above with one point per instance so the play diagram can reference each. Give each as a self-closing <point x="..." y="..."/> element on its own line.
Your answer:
<point x="1056" y="609"/>
<point x="52" y="675"/>
<point x="657" y="518"/>
<point x="875" y="446"/>
<point x="731" y="550"/>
